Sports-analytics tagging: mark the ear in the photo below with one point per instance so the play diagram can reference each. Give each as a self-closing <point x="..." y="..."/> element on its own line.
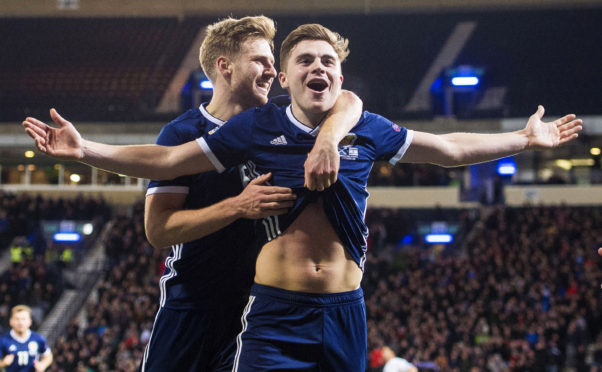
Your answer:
<point x="283" y="80"/>
<point x="223" y="66"/>
<point x="341" y="79"/>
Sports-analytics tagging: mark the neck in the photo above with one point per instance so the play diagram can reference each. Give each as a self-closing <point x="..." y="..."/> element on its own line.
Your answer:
<point x="20" y="334"/>
<point x="308" y="118"/>
<point x="223" y="106"/>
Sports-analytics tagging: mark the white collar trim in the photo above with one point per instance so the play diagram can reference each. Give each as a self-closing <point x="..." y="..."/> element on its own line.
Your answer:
<point x="210" y="117"/>
<point x="13" y="334"/>
<point x="309" y="130"/>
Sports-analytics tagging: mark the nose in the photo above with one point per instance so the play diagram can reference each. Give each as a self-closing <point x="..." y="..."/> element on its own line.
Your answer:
<point x="317" y="65"/>
<point x="270" y="70"/>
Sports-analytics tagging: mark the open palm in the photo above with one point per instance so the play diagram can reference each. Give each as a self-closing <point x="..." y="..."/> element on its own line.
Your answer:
<point x="63" y="142"/>
<point x="545" y="135"/>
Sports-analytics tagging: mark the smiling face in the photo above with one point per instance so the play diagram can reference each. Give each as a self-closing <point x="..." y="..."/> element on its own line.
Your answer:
<point x="252" y="73"/>
<point x="313" y="78"/>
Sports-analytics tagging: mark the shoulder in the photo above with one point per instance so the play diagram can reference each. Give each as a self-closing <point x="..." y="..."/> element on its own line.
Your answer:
<point x="37" y="336"/>
<point x="192" y="118"/>
<point x="186" y="127"/>
<point x="258" y="114"/>
<point x="377" y="124"/>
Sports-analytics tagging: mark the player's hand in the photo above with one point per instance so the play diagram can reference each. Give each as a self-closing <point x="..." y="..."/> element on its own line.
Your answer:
<point x="545" y="135"/>
<point x="38" y="366"/>
<point x="259" y="200"/>
<point x="8" y="359"/>
<point x="322" y="166"/>
<point x="63" y="142"/>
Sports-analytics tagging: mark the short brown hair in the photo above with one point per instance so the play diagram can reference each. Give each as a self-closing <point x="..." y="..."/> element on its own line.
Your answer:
<point x="313" y="31"/>
<point x="224" y="38"/>
<point x="19" y="308"/>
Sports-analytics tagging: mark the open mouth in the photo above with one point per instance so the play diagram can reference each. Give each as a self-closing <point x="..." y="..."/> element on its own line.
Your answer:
<point x="317" y="85"/>
<point x="264" y="85"/>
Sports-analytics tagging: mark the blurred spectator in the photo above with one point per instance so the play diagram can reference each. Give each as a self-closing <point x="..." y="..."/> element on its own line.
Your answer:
<point x="394" y="363"/>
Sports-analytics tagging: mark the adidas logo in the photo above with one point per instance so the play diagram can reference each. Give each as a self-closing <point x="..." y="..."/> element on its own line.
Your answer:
<point x="278" y="141"/>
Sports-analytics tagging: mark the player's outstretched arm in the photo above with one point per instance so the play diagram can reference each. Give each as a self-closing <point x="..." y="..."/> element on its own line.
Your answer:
<point x="167" y="224"/>
<point x="322" y="164"/>
<point x="143" y="161"/>
<point x="455" y="149"/>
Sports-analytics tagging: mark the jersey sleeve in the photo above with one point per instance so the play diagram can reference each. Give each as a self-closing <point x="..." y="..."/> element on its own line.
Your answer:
<point x="44" y="349"/>
<point x="391" y="140"/>
<point x="3" y="346"/>
<point x="229" y="145"/>
<point x="169" y="136"/>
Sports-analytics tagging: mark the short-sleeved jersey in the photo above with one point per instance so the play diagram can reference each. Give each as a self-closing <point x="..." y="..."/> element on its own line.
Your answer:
<point x="216" y="270"/>
<point x="26" y="350"/>
<point x="271" y="139"/>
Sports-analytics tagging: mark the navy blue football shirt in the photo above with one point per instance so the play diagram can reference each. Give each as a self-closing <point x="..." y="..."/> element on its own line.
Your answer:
<point x="216" y="270"/>
<point x="26" y="350"/>
<point x="271" y="139"/>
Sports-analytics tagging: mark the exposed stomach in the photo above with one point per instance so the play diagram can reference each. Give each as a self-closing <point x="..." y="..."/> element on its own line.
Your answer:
<point x="308" y="257"/>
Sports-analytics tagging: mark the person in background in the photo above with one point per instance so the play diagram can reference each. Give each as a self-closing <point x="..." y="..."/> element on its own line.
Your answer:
<point x="394" y="363"/>
<point x="21" y="349"/>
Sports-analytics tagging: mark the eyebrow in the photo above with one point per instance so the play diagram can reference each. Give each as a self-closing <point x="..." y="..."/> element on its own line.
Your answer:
<point x="310" y="55"/>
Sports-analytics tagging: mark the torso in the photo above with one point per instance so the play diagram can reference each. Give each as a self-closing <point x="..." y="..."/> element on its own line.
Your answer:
<point x="308" y="257"/>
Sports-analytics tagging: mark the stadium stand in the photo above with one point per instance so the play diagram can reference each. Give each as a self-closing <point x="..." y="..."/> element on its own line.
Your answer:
<point x="33" y="267"/>
<point x="522" y="296"/>
<point x="94" y="69"/>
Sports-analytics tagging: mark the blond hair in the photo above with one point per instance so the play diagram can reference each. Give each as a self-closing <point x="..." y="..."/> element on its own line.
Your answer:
<point x="20" y="308"/>
<point x="225" y="38"/>
<point x="313" y="31"/>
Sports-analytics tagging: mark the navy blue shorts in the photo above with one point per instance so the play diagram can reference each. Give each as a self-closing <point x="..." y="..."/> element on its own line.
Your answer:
<point x="294" y="331"/>
<point x="191" y="340"/>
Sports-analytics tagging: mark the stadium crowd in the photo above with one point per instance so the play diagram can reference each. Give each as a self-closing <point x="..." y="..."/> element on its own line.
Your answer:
<point x="121" y="310"/>
<point x="34" y="275"/>
<point x="522" y="294"/>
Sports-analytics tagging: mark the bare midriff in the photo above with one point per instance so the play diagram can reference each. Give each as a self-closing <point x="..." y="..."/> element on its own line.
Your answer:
<point x="308" y="257"/>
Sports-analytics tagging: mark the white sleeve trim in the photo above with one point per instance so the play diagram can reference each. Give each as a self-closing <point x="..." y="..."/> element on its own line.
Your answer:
<point x="167" y="190"/>
<point x="210" y="155"/>
<point x="409" y="136"/>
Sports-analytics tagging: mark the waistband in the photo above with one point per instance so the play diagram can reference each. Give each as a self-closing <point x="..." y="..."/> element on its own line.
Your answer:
<point x="308" y="299"/>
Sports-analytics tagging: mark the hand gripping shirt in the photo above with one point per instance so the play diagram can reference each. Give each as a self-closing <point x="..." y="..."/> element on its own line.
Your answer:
<point x="271" y="139"/>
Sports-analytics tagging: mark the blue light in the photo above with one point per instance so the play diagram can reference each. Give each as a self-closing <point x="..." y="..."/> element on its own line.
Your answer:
<point x="205" y="84"/>
<point x="465" y="81"/>
<point x="506" y="167"/>
<point x="66" y="237"/>
<point x="438" y="238"/>
<point x="408" y="239"/>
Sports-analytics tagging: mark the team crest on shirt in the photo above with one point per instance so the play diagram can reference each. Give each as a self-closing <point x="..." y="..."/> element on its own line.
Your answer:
<point x="348" y="140"/>
<point x="33" y="347"/>
<point x="12" y="348"/>
<point x="348" y="152"/>
<point x="396" y="128"/>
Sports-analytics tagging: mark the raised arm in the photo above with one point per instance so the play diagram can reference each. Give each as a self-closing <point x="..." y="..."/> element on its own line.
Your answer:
<point x="143" y="161"/>
<point x="455" y="149"/>
<point x="167" y="223"/>
<point x="322" y="164"/>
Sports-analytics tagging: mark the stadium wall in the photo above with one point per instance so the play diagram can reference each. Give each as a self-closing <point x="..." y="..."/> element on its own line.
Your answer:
<point x="380" y="197"/>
